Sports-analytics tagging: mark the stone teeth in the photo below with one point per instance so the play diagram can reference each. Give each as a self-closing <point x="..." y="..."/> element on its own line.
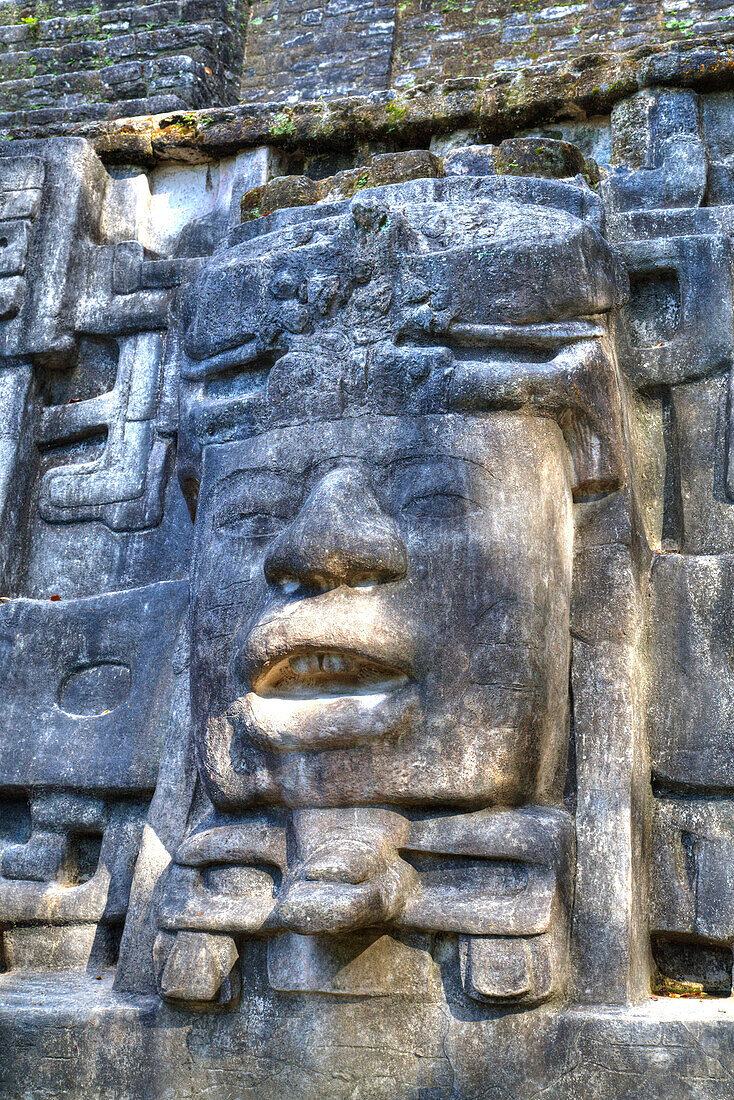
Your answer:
<point x="305" y="665"/>
<point x="332" y="662"/>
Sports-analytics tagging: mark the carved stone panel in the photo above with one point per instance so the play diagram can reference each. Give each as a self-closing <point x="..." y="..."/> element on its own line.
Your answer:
<point x="365" y="621"/>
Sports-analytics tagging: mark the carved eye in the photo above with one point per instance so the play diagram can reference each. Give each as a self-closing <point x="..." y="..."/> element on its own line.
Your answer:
<point x="249" y="525"/>
<point x="439" y="505"/>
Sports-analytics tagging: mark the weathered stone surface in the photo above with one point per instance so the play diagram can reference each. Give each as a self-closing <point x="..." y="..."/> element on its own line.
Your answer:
<point x="491" y="106"/>
<point x="537" y="157"/>
<point x="366" y="617"/>
<point x="62" y="61"/>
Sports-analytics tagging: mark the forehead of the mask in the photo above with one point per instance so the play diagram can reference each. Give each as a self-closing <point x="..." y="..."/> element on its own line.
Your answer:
<point x="379" y="271"/>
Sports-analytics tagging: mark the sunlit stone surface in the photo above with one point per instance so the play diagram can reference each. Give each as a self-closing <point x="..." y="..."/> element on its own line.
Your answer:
<point x="366" y="623"/>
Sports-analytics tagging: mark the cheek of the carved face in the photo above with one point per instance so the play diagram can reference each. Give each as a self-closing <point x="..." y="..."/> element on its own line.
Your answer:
<point x="226" y="594"/>
<point x="516" y="690"/>
<point x="493" y="600"/>
<point x="213" y="625"/>
<point x="499" y="744"/>
<point x="234" y="772"/>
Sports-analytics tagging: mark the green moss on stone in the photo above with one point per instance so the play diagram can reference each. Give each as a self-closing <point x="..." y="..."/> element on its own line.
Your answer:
<point x="283" y="125"/>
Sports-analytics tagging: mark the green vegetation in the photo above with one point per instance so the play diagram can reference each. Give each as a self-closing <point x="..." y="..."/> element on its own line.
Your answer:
<point x="20" y="71"/>
<point x="396" y="112"/>
<point x="682" y="25"/>
<point x="283" y="125"/>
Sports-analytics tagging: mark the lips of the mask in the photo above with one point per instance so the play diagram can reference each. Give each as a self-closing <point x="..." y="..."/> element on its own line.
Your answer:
<point x="323" y="676"/>
<point x="326" y="679"/>
<point x="315" y="673"/>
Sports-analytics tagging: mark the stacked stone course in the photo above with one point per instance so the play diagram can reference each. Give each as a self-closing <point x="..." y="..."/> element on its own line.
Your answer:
<point x="69" y="61"/>
<point x="305" y="48"/>
<point x="65" y="61"/>
<point x="302" y="49"/>
<point x="444" y="39"/>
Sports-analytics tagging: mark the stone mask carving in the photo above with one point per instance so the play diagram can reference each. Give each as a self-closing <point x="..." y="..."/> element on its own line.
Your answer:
<point x="388" y="407"/>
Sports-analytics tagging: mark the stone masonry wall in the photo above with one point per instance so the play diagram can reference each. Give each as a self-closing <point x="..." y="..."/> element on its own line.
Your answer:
<point x="305" y="48"/>
<point x="69" y="59"/>
<point x="72" y="62"/>
<point x="301" y="49"/>
<point x="445" y="39"/>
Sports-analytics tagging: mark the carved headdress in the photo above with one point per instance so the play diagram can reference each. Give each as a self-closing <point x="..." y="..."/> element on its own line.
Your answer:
<point x="436" y="295"/>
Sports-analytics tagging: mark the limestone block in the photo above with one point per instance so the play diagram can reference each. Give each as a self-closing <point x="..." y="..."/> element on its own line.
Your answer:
<point x="199" y="968"/>
<point x="690" y="682"/>
<point x="716" y="116"/>
<point x="678" y="322"/>
<point x="508" y="970"/>
<point x="366" y="964"/>
<point x="692" y="876"/>
<point x="658" y="147"/>
<point x="94" y="690"/>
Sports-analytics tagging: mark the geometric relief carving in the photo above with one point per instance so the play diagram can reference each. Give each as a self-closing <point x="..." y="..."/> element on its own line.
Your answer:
<point x="693" y="869"/>
<point x="660" y="155"/>
<point x="62" y="218"/>
<point x="691" y="892"/>
<point x="91" y="678"/>
<point x="678" y="323"/>
<point x="124" y="486"/>
<point x="676" y="345"/>
<point x="699" y="456"/>
<point x="490" y="891"/>
<point x="21" y="180"/>
<point x="73" y="876"/>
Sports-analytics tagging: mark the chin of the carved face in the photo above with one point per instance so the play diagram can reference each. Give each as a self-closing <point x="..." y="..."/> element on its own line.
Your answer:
<point x="359" y="776"/>
<point x="472" y="763"/>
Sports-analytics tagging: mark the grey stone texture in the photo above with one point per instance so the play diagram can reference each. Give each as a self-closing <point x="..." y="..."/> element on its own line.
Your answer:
<point x="71" y="61"/>
<point x="365" y="619"/>
<point x="65" y="59"/>
<point x="303" y="49"/>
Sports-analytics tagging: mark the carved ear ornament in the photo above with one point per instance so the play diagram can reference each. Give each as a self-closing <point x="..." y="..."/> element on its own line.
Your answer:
<point x="578" y="386"/>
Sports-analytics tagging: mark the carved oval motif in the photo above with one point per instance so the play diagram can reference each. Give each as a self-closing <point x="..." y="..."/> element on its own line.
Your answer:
<point x="95" y="689"/>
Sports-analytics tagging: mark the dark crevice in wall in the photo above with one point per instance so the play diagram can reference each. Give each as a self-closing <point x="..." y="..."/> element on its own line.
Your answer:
<point x="672" y="533"/>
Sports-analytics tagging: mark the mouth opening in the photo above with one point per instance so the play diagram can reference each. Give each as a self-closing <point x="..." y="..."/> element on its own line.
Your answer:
<point x="309" y="674"/>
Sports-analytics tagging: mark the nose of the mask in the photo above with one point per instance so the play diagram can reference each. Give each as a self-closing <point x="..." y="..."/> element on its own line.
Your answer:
<point x="341" y="536"/>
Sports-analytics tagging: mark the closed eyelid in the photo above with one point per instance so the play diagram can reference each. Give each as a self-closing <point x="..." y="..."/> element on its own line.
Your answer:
<point x="257" y="486"/>
<point x="240" y="510"/>
<point x="431" y="475"/>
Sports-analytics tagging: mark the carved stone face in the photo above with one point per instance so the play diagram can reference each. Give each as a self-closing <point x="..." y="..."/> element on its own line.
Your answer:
<point x="394" y="405"/>
<point x="381" y="612"/>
